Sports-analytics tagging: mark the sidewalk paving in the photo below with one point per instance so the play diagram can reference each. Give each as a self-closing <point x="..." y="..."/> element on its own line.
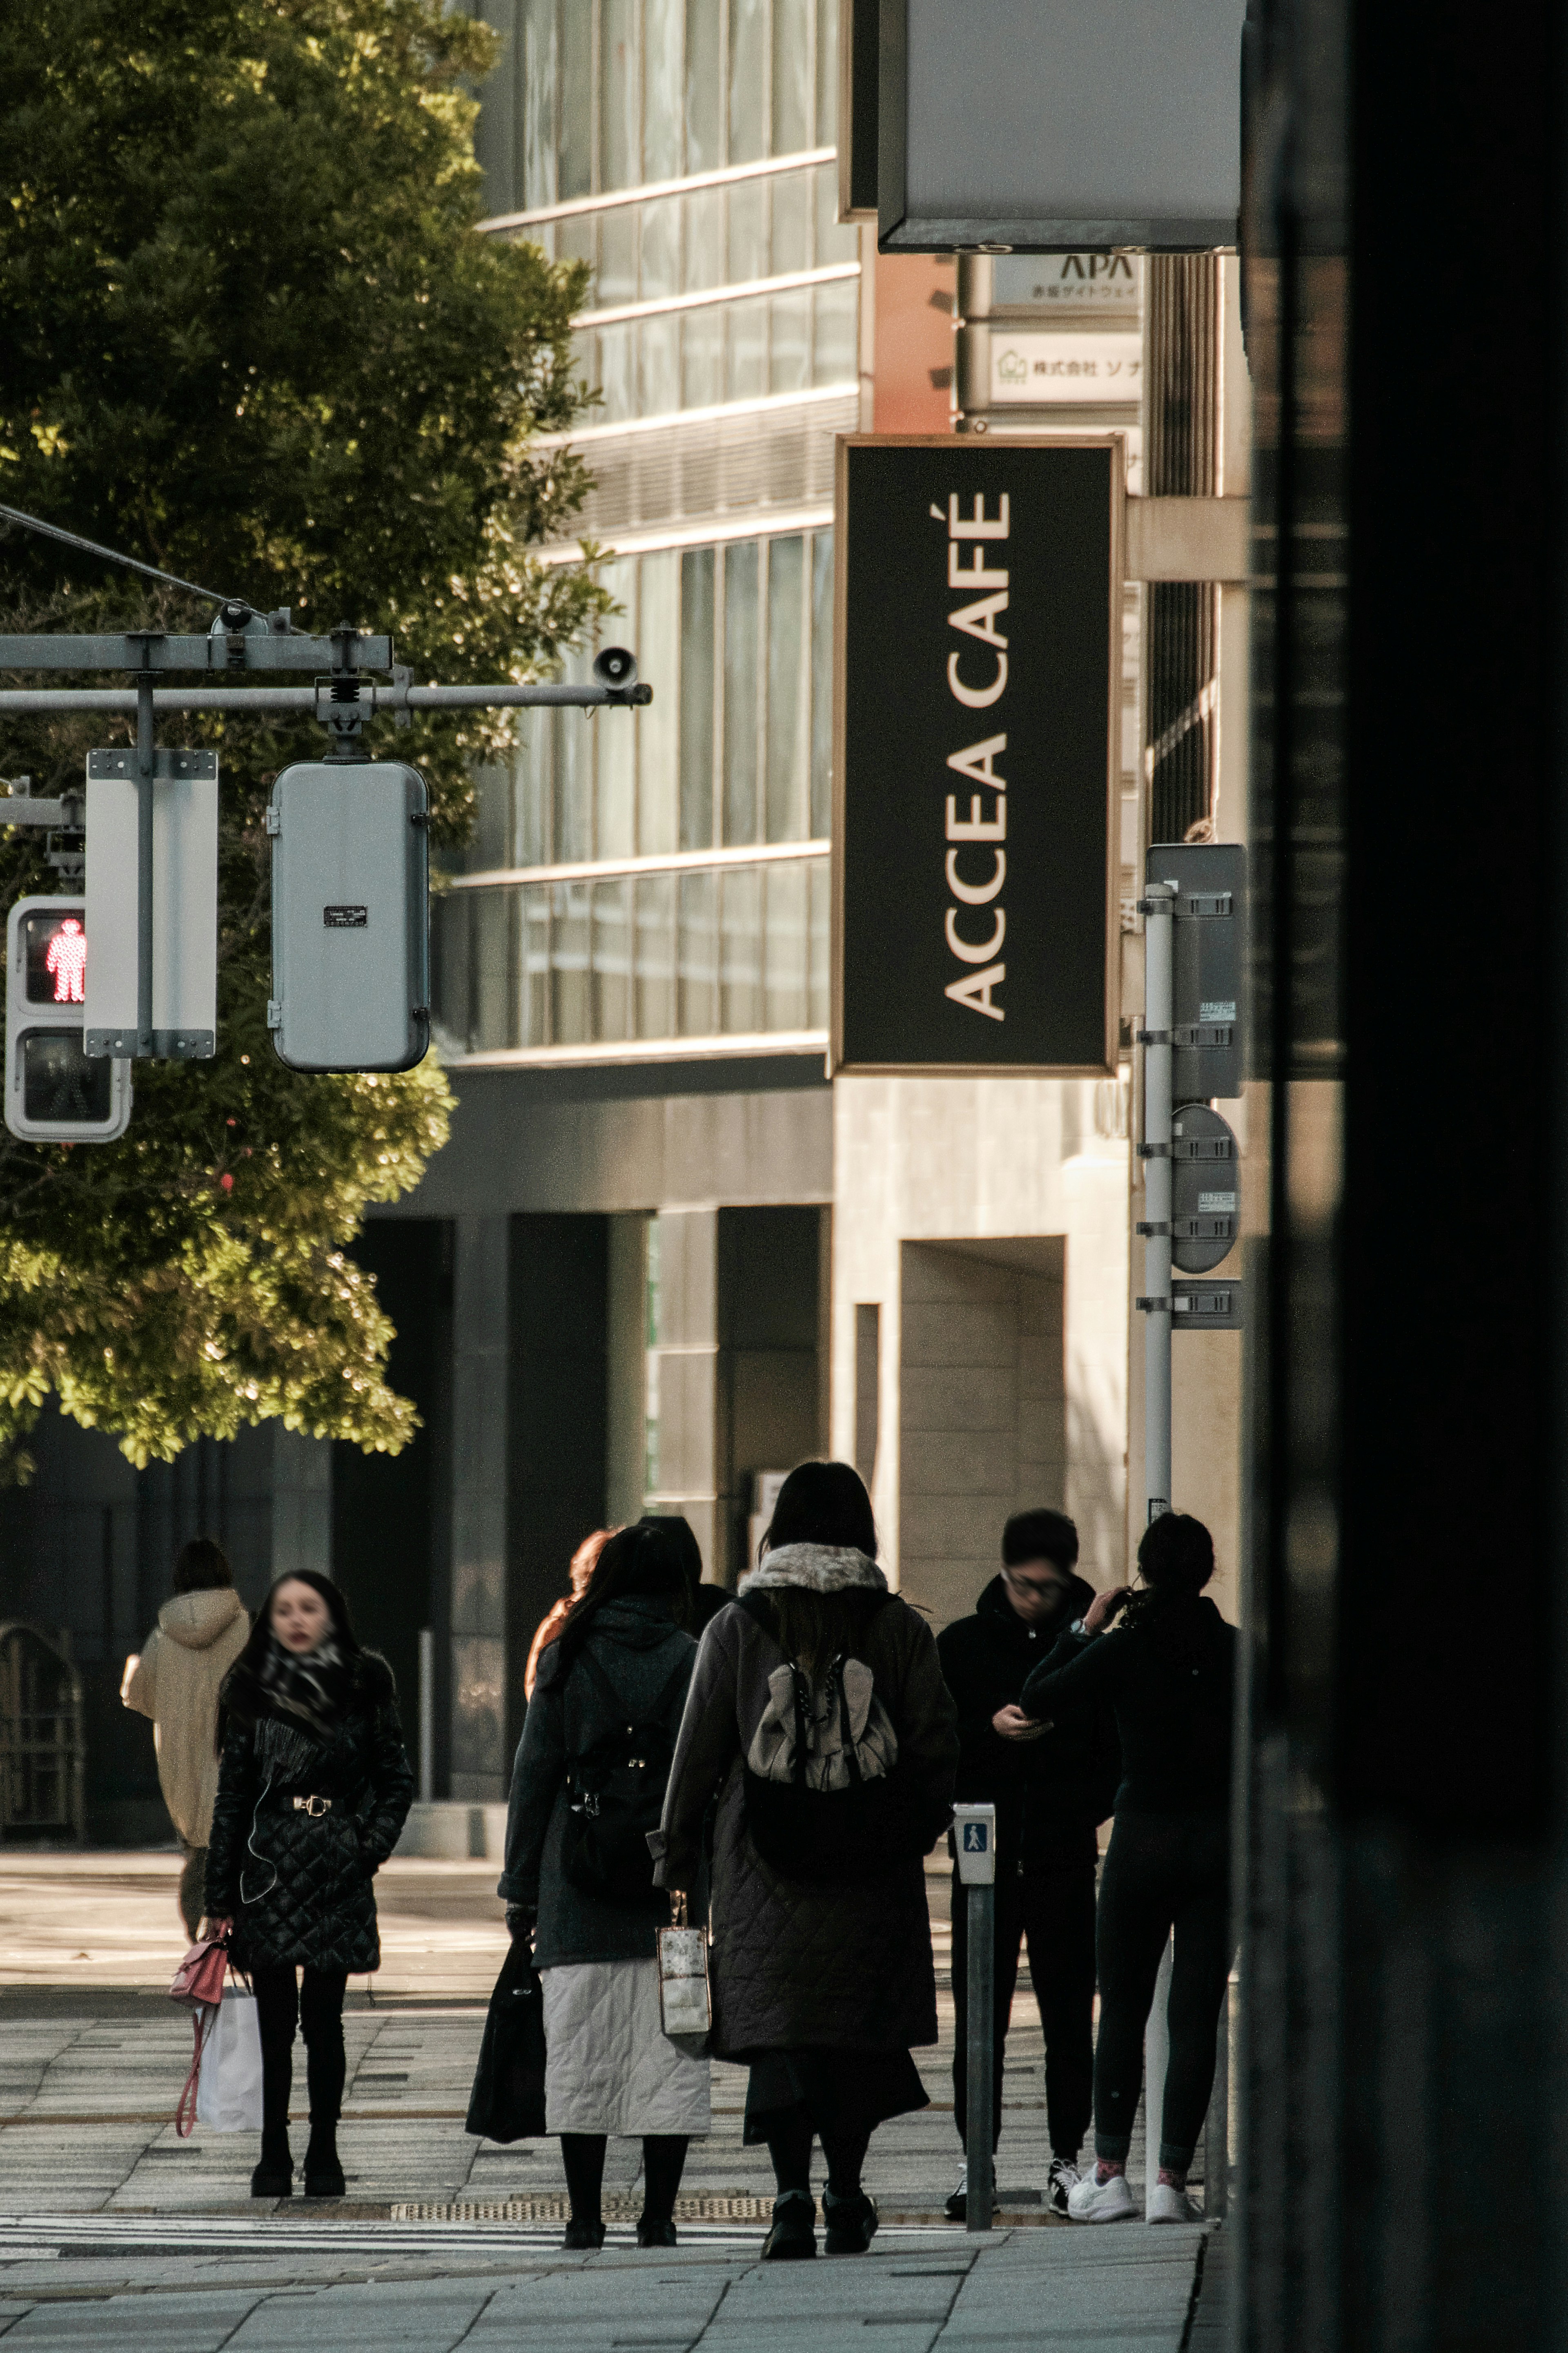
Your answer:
<point x="115" y="2232"/>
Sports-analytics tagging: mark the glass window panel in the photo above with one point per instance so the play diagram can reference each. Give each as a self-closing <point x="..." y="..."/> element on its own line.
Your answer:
<point x="697" y="975"/>
<point x="789" y="365"/>
<point x="616" y="830"/>
<point x="570" y="975"/>
<point x="658" y="746"/>
<point x="740" y="974"/>
<point x="659" y="340"/>
<point x="577" y="239"/>
<point x="540" y="69"/>
<point x="495" y="969"/>
<point x="837" y="357"/>
<point x="449" y="965"/>
<point x="705" y="256"/>
<point x="576" y="167"/>
<point x="702" y="357"/>
<point x="748" y="232"/>
<point x="821" y="685"/>
<point x="787" y="690"/>
<point x="573" y="781"/>
<point x="826" y="75"/>
<point x="489" y="843"/>
<point x="662" y="62"/>
<point x="819" y="949"/>
<point x="531" y="788"/>
<point x="792" y="200"/>
<point x="696" y="699"/>
<point x="704" y="85"/>
<point x="741" y="583"/>
<point x="534" y="1026"/>
<point x="835" y="240"/>
<point x="785" y="993"/>
<point x="661" y="248"/>
<point x="748" y="80"/>
<point x="620" y="88"/>
<point x="656" y="1008"/>
<point x="612" y="959"/>
<point x="748" y="370"/>
<point x="494" y="133"/>
<point x="618" y="278"/>
<point x="793" y="97"/>
<point x="617" y="375"/>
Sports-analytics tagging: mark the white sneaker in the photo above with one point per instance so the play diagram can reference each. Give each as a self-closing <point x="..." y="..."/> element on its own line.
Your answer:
<point x="1062" y="2180"/>
<point x="958" y="2204"/>
<point x="1166" y="2203"/>
<point x="1102" y="2201"/>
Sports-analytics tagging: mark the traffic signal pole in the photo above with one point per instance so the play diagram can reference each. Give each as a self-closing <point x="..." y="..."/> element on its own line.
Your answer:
<point x="1159" y="1014"/>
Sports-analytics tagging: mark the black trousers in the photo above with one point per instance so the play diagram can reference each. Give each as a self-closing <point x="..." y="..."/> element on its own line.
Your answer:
<point x="1054" y="1913"/>
<point x="317" y="2006"/>
<point x="1164" y="1872"/>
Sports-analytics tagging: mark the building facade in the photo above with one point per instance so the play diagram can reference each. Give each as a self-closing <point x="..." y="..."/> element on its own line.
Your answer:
<point x="663" y="1257"/>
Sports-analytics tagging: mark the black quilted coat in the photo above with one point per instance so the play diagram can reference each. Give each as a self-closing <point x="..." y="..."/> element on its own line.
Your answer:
<point x="796" y="1968"/>
<point x="307" y="1876"/>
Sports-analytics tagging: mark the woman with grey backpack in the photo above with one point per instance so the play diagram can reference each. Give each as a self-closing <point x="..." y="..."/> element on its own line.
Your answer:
<point x="819" y="1713"/>
<point x="587" y="1787"/>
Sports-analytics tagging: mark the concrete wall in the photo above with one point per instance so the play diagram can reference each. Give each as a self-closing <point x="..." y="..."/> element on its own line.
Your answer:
<point x="995" y="1162"/>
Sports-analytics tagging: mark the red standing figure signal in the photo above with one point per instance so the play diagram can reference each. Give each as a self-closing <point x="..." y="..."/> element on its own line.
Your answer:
<point x="67" y="959"/>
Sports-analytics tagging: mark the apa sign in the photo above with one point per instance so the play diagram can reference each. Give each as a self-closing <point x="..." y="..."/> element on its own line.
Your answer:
<point x="978" y="687"/>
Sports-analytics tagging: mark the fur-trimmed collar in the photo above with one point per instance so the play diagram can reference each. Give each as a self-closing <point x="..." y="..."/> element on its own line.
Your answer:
<point x="371" y="1686"/>
<point x="816" y="1568"/>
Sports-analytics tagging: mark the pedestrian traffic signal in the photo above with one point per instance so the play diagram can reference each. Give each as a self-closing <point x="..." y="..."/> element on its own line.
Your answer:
<point x="56" y="1092"/>
<point x="351" y="958"/>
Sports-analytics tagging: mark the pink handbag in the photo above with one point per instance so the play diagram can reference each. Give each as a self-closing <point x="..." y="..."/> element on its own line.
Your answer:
<point x="198" y="1983"/>
<point x="200" y="1976"/>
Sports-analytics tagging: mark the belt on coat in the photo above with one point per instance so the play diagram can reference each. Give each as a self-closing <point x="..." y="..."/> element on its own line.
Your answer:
<point x="313" y="1806"/>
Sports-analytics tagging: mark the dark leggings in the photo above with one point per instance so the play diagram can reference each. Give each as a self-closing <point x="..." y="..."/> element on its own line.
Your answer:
<point x="789" y="2145"/>
<point x="663" y="2159"/>
<point x="1163" y="1872"/>
<point x="317" y="2007"/>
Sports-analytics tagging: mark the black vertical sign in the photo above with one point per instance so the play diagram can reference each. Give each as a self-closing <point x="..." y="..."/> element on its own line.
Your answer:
<point x="979" y="588"/>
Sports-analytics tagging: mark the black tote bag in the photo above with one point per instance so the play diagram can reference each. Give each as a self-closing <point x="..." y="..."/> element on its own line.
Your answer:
<point x="508" y="2101"/>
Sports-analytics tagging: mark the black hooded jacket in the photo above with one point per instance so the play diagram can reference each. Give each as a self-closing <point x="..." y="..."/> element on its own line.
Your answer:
<point x="1050" y="1794"/>
<point x="1169" y="1670"/>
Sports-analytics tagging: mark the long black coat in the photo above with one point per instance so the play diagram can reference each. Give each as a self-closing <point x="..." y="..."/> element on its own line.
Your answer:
<point x="308" y="1877"/>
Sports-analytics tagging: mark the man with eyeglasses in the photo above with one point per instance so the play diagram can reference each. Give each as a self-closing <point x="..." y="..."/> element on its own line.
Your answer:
<point x="1052" y="1785"/>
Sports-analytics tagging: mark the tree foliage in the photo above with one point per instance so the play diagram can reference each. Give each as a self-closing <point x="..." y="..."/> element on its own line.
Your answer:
<point x="249" y="334"/>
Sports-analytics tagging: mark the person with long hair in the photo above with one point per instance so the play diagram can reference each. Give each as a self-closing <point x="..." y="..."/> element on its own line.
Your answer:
<point x="176" y="1679"/>
<point x="621" y="1662"/>
<point x="584" y="1560"/>
<point x="313" y="1789"/>
<point x="1168" y="1669"/>
<point x="819" y="1713"/>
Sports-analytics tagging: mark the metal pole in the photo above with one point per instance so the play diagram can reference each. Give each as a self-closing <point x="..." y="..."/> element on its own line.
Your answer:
<point x="146" y="762"/>
<point x="376" y="699"/>
<point x="1216" y="2132"/>
<point x="981" y="2027"/>
<point x="426" y="1715"/>
<point x="1158" y="938"/>
<point x="1156" y="2067"/>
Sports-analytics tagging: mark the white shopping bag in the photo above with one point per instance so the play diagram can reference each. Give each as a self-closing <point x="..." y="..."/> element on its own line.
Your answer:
<point x="685" y="2008"/>
<point x="228" y="2089"/>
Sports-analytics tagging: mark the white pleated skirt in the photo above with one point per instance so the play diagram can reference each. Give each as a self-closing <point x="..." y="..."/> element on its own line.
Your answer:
<point x="609" y="2066"/>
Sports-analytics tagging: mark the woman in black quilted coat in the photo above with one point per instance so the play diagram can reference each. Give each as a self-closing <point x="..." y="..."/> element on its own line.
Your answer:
<point x="823" y="1987"/>
<point x="313" y="1789"/>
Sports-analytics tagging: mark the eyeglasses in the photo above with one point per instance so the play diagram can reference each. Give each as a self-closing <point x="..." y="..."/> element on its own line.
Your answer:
<point x="1041" y="1587"/>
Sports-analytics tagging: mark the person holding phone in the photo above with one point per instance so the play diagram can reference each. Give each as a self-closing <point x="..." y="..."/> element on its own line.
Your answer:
<point x="1165" y="1660"/>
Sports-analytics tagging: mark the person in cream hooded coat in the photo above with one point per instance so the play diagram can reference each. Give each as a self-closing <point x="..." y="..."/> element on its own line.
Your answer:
<point x="199" y="1635"/>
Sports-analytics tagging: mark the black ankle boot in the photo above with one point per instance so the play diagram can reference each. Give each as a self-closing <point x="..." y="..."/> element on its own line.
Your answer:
<point x="274" y="2176"/>
<point x="793" y="2234"/>
<point x="851" y="2223"/>
<point x="583" y="2238"/>
<point x="323" y="2174"/>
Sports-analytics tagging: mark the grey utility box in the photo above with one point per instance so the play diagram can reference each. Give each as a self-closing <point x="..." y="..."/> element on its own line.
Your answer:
<point x="351" y="958"/>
